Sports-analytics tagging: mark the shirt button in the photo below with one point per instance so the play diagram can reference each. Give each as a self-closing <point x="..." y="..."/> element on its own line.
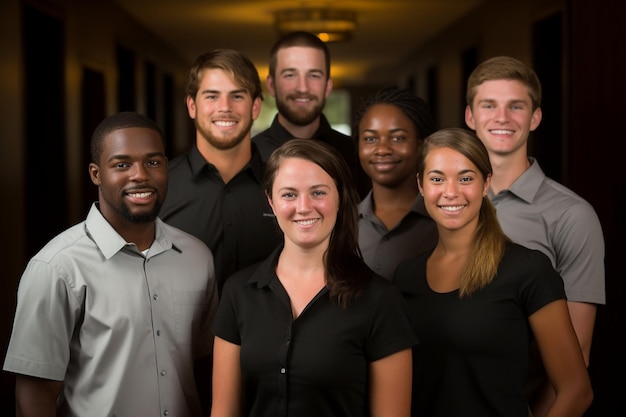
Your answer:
<point x="158" y="332"/>
<point x="283" y="370"/>
<point x="155" y="297"/>
<point x="162" y="372"/>
<point x="166" y="413"/>
<point x="378" y="267"/>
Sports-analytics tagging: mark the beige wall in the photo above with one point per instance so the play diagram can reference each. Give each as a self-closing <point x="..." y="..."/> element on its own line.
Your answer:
<point x="495" y="28"/>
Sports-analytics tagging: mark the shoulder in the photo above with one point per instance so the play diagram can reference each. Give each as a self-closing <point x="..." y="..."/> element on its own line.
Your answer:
<point x="262" y="136"/>
<point x="519" y="259"/>
<point x="184" y="241"/>
<point x="179" y="163"/>
<point x="563" y="199"/>
<point x="65" y="243"/>
<point x="408" y="271"/>
<point x="235" y="283"/>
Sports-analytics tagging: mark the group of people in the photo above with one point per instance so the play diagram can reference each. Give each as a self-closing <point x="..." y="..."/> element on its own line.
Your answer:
<point x="403" y="271"/>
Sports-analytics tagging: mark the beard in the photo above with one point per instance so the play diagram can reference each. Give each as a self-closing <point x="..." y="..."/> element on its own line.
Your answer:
<point x="227" y="142"/>
<point x="140" y="218"/>
<point x="298" y="117"/>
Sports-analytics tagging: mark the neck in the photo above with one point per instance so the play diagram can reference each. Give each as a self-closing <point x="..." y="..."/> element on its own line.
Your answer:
<point x="506" y="170"/>
<point x="297" y="258"/>
<point x="228" y="162"/>
<point x="456" y="242"/>
<point x="297" y="131"/>
<point x="401" y="196"/>
<point x="142" y="235"/>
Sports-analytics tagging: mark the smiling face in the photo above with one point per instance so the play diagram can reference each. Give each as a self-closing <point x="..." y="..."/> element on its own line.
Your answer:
<point x="223" y="111"/>
<point x="305" y="201"/>
<point x="300" y="84"/>
<point x="502" y="116"/>
<point x="131" y="176"/>
<point x="453" y="189"/>
<point x="388" y="146"/>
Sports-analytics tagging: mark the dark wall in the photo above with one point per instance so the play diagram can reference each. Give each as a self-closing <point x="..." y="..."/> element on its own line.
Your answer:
<point x="597" y="91"/>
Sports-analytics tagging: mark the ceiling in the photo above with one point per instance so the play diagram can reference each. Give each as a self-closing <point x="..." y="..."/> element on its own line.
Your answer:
<point x="387" y="30"/>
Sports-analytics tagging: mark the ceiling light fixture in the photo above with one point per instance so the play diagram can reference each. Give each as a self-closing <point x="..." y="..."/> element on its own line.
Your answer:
<point x="330" y="25"/>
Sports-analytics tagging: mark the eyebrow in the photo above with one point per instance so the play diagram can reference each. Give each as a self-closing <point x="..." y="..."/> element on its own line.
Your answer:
<point x="314" y="70"/>
<point x="491" y="100"/>
<point x="125" y="157"/>
<point x="238" y="91"/>
<point x="290" y="188"/>
<point x="463" y="171"/>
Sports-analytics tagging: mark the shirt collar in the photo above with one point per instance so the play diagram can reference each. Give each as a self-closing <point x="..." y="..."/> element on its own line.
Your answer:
<point x="198" y="164"/>
<point x="366" y="206"/>
<point x="110" y="242"/>
<point x="527" y="185"/>
<point x="324" y="130"/>
<point x="266" y="271"/>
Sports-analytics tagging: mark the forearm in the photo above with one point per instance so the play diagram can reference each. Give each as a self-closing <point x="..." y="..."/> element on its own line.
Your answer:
<point x="36" y="397"/>
<point x="543" y="399"/>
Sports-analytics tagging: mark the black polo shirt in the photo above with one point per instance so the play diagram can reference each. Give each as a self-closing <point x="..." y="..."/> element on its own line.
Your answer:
<point x="234" y="220"/>
<point x="316" y="365"/>
<point x="276" y="135"/>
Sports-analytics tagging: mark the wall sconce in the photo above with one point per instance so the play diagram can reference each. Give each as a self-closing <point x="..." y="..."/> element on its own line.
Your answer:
<point x="330" y="25"/>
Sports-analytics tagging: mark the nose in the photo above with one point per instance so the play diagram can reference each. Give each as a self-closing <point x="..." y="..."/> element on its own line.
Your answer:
<point x="304" y="204"/>
<point x="139" y="172"/>
<point x="382" y="147"/>
<point x="223" y="104"/>
<point x="450" y="189"/>
<point x="502" y="114"/>
<point x="302" y="85"/>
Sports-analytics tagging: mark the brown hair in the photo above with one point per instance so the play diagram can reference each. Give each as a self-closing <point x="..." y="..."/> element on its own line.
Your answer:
<point x="504" y="68"/>
<point x="346" y="273"/>
<point x="490" y="241"/>
<point x="233" y="62"/>
<point x="298" y="38"/>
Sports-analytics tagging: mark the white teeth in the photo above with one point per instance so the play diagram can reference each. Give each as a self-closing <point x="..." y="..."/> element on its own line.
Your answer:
<point x="306" y="222"/>
<point x="502" y="132"/>
<point x="139" y="195"/>
<point x="224" y="124"/>
<point x="451" y="208"/>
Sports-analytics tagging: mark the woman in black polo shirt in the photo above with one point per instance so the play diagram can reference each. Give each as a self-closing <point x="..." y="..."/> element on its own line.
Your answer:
<point x="312" y="331"/>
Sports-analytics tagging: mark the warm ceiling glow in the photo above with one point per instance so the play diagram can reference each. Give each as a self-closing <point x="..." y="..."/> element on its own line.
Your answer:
<point x="330" y="25"/>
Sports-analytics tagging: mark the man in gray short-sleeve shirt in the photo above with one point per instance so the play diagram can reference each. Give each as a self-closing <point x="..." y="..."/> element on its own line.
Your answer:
<point x="503" y="107"/>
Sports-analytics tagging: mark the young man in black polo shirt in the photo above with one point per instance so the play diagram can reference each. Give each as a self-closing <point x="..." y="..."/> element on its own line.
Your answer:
<point x="216" y="191"/>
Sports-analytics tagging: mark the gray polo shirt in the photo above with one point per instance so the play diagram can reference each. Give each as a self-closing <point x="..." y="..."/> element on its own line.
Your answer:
<point x="120" y="328"/>
<point x="542" y="214"/>
<point x="384" y="249"/>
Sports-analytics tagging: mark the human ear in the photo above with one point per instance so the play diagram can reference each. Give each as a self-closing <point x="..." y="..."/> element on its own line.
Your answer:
<point x="270" y="202"/>
<point x="269" y="83"/>
<point x="536" y="119"/>
<point x="94" y="174"/>
<point x="191" y="106"/>
<point x="419" y="184"/>
<point x="487" y="184"/>
<point x="469" y="118"/>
